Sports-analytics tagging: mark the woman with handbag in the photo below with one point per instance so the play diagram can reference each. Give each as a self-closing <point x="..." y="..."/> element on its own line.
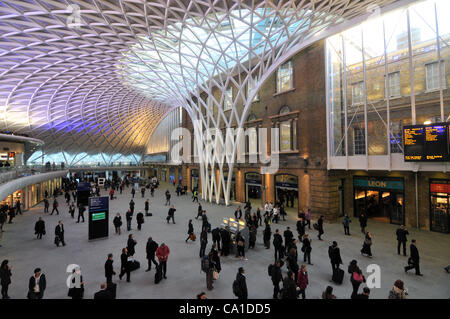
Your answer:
<point x="356" y="278"/>
<point x="366" y="250"/>
<point x="306" y="248"/>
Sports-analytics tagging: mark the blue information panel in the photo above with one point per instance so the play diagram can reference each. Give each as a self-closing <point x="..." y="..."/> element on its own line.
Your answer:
<point x="98" y="217"/>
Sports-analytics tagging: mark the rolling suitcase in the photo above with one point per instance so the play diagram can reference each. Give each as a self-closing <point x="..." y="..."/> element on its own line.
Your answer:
<point x="135" y="265"/>
<point x="158" y="274"/>
<point x="338" y="276"/>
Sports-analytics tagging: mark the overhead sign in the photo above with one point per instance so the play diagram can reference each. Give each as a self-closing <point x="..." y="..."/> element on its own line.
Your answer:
<point x="369" y="182"/>
<point x="426" y="143"/>
<point x="98" y="217"/>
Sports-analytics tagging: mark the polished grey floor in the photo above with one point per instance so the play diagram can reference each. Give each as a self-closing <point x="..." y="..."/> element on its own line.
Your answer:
<point x="185" y="280"/>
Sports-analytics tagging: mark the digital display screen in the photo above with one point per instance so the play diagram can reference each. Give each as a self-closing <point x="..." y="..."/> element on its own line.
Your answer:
<point x="98" y="216"/>
<point x="413" y="142"/>
<point x="426" y="143"/>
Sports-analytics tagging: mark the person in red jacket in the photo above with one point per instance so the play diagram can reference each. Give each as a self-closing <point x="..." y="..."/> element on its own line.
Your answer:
<point x="162" y="253"/>
<point x="302" y="280"/>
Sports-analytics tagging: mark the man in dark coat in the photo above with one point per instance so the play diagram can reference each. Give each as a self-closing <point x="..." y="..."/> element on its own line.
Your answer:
<point x="171" y="214"/>
<point x="150" y="249"/>
<point x="81" y="210"/>
<point x="301" y="227"/>
<point x="59" y="234"/>
<point x="131" y="243"/>
<point x="203" y="242"/>
<point x="335" y="256"/>
<point x="55" y="207"/>
<point x="139" y="220"/>
<point x="36" y="285"/>
<point x="278" y="245"/>
<point x="289" y="286"/>
<point x="147" y="207"/>
<point x="226" y="239"/>
<point x="132" y="206"/>
<point x="238" y="213"/>
<point x="103" y="293"/>
<point x="190" y="230"/>
<point x="414" y="258"/>
<point x="199" y="211"/>
<point x="129" y="217"/>
<point x="124" y="265"/>
<point x="363" y="222"/>
<point x="242" y="284"/>
<point x="109" y="270"/>
<point x="320" y="227"/>
<point x="276" y="278"/>
<point x="216" y="237"/>
<point x="267" y="234"/>
<point x="39" y="228"/>
<point x="401" y="233"/>
<point x="288" y="235"/>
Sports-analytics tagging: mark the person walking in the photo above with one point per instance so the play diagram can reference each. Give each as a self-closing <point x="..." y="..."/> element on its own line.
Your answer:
<point x="289" y="286"/>
<point x="356" y="277"/>
<point x="150" y="249"/>
<point x="59" y="234"/>
<point x="366" y="249"/>
<point x="109" y="269"/>
<point x="11" y="214"/>
<point x="190" y="231"/>
<point x="302" y="281"/>
<point x="39" y="228"/>
<point x="195" y="196"/>
<point x="171" y="214"/>
<point x="46" y="205"/>
<point x="124" y="265"/>
<point x="414" y="259"/>
<point x="162" y="253"/>
<point x="199" y="211"/>
<point x="276" y="277"/>
<point x="117" y="221"/>
<point x="19" y="207"/>
<point x="72" y="210"/>
<point x="167" y="197"/>
<point x="258" y="216"/>
<point x="129" y="218"/>
<point x="225" y="235"/>
<point x="306" y="248"/>
<point x="346" y="222"/>
<point x="266" y="236"/>
<point x="5" y="278"/>
<point x="308" y="218"/>
<point x="363" y="222"/>
<point x="36" y="285"/>
<point x="55" y="207"/>
<point x="401" y="233"/>
<point x="398" y="291"/>
<point x="300" y="227"/>
<point x="131" y="243"/>
<point x="81" y="210"/>
<point x="240" y="245"/>
<point x="288" y="237"/>
<point x="139" y="220"/>
<point x="328" y="293"/>
<point x="278" y="245"/>
<point x="143" y="192"/>
<point x="203" y="242"/>
<point x="240" y="285"/>
<point x="132" y="204"/>
<point x="133" y="191"/>
<point x="147" y="207"/>
<point x="334" y="254"/>
<point x="216" y="237"/>
<point x="320" y="227"/>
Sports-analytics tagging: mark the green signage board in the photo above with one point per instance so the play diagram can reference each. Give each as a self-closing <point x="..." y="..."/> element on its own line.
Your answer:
<point x="98" y="216"/>
<point x="378" y="183"/>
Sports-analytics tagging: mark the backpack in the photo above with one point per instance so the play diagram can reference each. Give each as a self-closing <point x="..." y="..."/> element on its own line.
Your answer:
<point x="205" y="263"/>
<point x="236" y="288"/>
<point x="270" y="270"/>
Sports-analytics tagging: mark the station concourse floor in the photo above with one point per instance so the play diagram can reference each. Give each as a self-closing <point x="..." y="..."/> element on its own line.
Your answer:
<point x="185" y="280"/>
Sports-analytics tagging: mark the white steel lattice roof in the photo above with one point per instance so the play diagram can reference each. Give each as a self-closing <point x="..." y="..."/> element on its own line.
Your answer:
<point x="97" y="76"/>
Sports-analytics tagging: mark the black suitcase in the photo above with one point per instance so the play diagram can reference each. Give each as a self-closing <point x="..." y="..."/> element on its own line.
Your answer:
<point x="158" y="274"/>
<point x="112" y="288"/>
<point x="135" y="265"/>
<point x="338" y="276"/>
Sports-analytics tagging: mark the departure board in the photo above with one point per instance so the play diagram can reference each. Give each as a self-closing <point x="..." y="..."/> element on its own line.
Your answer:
<point x="436" y="143"/>
<point x="426" y="143"/>
<point x="413" y="137"/>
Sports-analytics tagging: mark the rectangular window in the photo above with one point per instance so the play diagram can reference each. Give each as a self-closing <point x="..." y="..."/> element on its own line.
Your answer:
<point x="358" y="93"/>
<point x="285" y="77"/>
<point x="359" y="141"/>
<point x="432" y="76"/>
<point x="285" y="136"/>
<point x="394" y="84"/>
<point x="250" y="86"/>
<point x="228" y="99"/>
<point x="396" y="137"/>
<point x="252" y="141"/>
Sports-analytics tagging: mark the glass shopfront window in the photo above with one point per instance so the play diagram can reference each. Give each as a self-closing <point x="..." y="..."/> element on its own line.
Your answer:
<point x="286" y="191"/>
<point x="253" y="188"/>
<point x="194" y="179"/>
<point x="439" y="206"/>
<point x="379" y="198"/>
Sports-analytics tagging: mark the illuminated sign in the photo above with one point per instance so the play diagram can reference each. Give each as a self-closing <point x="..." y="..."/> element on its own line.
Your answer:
<point x="98" y="216"/>
<point x="427" y="143"/>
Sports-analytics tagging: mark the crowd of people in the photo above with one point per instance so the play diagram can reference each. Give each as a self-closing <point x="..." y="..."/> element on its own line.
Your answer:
<point x="292" y="285"/>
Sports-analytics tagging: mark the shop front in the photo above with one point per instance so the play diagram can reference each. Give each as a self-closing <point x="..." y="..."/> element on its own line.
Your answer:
<point x="253" y="189"/>
<point x="380" y="198"/>
<point x="172" y="177"/>
<point x="439" y="206"/>
<point x="194" y="179"/>
<point x="286" y="191"/>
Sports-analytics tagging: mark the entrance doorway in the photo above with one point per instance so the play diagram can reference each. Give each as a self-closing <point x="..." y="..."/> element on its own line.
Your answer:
<point x="439" y="206"/>
<point x="380" y="199"/>
<point x="253" y="189"/>
<point x="194" y="179"/>
<point x="286" y="191"/>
